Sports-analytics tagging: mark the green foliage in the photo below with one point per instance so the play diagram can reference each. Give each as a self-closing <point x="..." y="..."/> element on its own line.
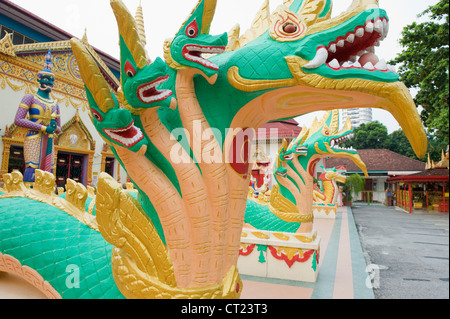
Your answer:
<point x="424" y="66"/>
<point x="398" y="142"/>
<point x="353" y="185"/>
<point x="368" y="136"/>
<point x="375" y="136"/>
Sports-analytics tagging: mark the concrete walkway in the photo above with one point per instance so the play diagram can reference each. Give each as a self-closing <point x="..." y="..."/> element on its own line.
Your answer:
<point x="342" y="272"/>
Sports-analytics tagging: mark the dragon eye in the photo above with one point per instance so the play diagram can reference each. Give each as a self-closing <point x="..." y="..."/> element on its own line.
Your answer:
<point x="97" y="115"/>
<point x="129" y="70"/>
<point x="192" y="29"/>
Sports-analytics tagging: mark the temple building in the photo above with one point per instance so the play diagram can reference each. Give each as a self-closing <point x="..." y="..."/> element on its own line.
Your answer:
<point x="382" y="164"/>
<point x="25" y="39"/>
<point x="427" y="190"/>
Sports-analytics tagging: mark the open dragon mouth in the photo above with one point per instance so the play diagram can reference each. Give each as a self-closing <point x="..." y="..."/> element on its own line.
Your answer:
<point x="128" y="136"/>
<point x="148" y="93"/>
<point x="334" y="143"/>
<point x="301" y="150"/>
<point x="288" y="157"/>
<point x="284" y="174"/>
<point x="356" y="49"/>
<point x="194" y="53"/>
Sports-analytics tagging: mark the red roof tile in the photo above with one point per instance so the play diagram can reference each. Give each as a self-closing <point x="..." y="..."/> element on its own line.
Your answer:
<point x="280" y="129"/>
<point x="378" y="160"/>
<point x="429" y="175"/>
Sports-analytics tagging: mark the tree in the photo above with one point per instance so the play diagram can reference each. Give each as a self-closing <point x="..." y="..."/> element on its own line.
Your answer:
<point x="398" y="142"/>
<point x="424" y="65"/>
<point x="353" y="185"/>
<point x="372" y="135"/>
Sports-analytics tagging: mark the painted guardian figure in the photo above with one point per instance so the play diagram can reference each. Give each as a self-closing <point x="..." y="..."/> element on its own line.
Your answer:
<point x="40" y="114"/>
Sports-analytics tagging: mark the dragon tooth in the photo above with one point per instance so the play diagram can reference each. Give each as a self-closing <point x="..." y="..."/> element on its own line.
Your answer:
<point x="340" y="43"/>
<point x="332" y="48"/>
<point x="350" y="38"/>
<point x="359" y="32"/>
<point x="371" y="49"/>
<point x="356" y="64"/>
<point x="381" y="65"/>
<point x="347" y="64"/>
<point x="369" y="27"/>
<point x="392" y="68"/>
<point x="385" y="28"/>
<point x="378" y="26"/>
<point x="377" y="43"/>
<point x="320" y="58"/>
<point x="369" y="66"/>
<point x="334" y="64"/>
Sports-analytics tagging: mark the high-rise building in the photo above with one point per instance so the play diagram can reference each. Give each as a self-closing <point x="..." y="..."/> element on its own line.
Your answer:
<point x="357" y="116"/>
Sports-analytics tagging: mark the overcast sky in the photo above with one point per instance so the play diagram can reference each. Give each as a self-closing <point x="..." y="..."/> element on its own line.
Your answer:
<point x="163" y="19"/>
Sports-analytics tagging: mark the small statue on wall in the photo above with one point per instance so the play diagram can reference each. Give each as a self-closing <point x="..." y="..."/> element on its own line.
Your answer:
<point x="42" y="122"/>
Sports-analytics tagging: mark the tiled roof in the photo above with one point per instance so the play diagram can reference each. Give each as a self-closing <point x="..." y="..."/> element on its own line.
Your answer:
<point x="429" y="175"/>
<point x="433" y="172"/>
<point x="378" y="160"/>
<point x="279" y="129"/>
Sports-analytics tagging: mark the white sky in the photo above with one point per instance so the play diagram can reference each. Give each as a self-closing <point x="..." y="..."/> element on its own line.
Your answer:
<point x="164" y="18"/>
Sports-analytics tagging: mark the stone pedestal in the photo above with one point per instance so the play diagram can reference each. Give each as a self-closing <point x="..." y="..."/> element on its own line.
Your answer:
<point x="325" y="211"/>
<point x="279" y="255"/>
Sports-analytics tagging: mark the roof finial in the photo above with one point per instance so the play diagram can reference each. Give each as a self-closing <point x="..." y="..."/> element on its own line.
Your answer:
<point x="84" y="39"/>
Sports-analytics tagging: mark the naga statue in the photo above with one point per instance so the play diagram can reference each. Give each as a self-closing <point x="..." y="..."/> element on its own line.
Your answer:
<point x="181" y="129"/>
<point x="327" y="192"/>
<point x="42" y="122"/>
<point x="290" y="208"/>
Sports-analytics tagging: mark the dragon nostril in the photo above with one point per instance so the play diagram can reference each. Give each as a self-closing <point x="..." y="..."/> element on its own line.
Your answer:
<point x="289" y="28"/>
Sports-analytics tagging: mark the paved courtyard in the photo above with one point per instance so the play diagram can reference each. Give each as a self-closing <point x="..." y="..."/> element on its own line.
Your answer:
<point x="409" y="253"/>
<point x="368" y="252"/>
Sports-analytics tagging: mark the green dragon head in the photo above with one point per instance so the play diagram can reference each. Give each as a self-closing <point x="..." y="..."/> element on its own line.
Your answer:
<point x="192" y="40"/>
<point x="323" y="139"/>
<point x="281" y="171"/>
<point x="302" y="60"/>
<point x="115" y="125"/>
<point x="285" y="156"/>
<point x="140" y="77"/>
